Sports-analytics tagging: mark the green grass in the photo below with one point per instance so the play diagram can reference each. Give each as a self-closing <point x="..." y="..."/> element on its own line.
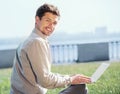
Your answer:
<point x="5" y="81"/>
<point x="109" y="83"/>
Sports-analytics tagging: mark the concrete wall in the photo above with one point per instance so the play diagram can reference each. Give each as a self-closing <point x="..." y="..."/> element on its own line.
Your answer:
<point x="86" y="53"/>
<point x="6" y="58"/>
<point x="93" y="52"/>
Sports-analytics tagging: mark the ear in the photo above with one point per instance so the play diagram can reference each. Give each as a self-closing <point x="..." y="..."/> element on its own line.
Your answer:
<point x="37" y="19"/>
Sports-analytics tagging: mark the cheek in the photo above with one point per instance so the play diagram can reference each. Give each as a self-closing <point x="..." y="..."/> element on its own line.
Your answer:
<point x="42" y="26"/>
<point x="53" y="28"/>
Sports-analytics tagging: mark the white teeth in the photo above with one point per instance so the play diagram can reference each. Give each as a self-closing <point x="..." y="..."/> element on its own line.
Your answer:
<point x="48" y="29"/>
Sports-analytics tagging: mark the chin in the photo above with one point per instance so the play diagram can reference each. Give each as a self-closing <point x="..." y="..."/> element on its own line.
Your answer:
<point x="48" y="34"/>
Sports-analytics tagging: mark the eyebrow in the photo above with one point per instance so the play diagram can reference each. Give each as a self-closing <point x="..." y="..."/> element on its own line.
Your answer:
<point x="51" y="19"/>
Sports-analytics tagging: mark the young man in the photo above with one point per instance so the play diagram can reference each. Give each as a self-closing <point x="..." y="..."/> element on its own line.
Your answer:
<point x="32" y="64"/>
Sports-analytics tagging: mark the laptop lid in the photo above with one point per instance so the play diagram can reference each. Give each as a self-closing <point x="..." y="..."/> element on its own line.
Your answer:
<point x="100" y="70"/>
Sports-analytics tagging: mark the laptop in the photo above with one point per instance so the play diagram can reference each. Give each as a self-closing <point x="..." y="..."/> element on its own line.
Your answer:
<point x="98" y="73"/>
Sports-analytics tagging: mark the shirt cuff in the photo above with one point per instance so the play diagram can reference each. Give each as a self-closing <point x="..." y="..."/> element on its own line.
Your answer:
<point x="67" y="81"/>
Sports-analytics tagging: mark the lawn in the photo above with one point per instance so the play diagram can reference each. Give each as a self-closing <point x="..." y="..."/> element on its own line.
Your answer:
<point x="109" y="83"/>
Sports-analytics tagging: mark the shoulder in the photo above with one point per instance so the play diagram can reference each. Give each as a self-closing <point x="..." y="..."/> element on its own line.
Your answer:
<point x="34" y="41"/>
<point x="38" y="42"/>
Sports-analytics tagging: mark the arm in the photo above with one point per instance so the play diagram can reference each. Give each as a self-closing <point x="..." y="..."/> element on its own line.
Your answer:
<point x="40" y="60"/>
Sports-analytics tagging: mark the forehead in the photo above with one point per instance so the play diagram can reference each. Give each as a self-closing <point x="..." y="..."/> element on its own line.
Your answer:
<point x="51" y="16"/>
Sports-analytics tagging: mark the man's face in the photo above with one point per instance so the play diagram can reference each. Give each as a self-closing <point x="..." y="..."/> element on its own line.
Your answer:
<point x="47" y="23"/>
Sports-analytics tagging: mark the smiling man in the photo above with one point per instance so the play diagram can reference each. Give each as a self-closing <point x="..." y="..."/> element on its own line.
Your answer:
<point x="32" y="64"/>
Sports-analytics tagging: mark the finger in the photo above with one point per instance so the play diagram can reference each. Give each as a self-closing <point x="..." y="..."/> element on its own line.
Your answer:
<point x="83" y="76"/>
<point x="84" y="80"/>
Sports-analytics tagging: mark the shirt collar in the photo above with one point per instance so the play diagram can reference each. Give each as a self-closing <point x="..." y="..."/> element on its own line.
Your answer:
<point x="35" y="30"/>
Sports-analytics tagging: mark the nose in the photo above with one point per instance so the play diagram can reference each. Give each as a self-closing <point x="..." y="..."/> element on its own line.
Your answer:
<point x="51" y="24"/>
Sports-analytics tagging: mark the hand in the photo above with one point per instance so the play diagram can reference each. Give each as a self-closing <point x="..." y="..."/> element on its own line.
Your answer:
<point x="80" y="79"/>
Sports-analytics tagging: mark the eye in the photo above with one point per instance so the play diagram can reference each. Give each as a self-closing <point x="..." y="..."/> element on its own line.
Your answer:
<point x="48" y="20"/>
<point x="55" y="23"/>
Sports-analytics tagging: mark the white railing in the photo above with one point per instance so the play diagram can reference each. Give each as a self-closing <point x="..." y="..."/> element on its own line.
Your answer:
<point x="68" y="53"/>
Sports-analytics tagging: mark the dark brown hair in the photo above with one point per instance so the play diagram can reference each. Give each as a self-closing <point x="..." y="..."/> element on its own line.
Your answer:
<point x="47" y="8"/>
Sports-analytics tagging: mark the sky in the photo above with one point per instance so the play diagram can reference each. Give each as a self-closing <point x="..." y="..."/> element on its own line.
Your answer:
<point x="77" y="16"/>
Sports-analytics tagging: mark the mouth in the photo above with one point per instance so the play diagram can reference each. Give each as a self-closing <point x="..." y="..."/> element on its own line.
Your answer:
<point x="49" y="29"/>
